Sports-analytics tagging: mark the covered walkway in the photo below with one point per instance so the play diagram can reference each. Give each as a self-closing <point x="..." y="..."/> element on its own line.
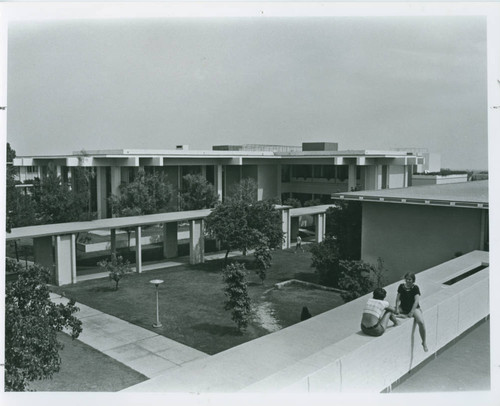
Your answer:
<point x="55" y="245"/>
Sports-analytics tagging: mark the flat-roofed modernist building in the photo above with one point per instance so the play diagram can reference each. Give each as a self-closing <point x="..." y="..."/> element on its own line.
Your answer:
<point x="314" y="171"/>
<point x="418" y="227"/>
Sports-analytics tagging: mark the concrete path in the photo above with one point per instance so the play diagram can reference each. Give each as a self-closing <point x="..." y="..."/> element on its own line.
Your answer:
<point x="143" y="350"/>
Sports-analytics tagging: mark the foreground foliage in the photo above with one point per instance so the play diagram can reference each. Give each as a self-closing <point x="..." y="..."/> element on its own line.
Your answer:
<point x="32" y="322"/>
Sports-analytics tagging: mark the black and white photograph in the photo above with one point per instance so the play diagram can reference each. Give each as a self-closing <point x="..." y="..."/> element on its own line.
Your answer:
<point x="244" y="201"/>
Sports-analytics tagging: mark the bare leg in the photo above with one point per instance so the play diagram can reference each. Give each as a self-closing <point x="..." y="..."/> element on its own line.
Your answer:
<point x="419" y="318"/>
<point x="385" y="319"/>
<point x="394" y="319"/>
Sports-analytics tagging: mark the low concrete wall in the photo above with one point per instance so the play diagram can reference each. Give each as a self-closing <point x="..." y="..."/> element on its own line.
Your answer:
<point x="420" y="180"/>
<point x="328" y="353"/>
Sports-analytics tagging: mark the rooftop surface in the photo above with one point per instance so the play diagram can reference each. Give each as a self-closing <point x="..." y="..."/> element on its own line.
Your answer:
<point x="306" y="350"/>
<point x="133" y="221"/>
<point x="117" y="153"/>
<point x="475" y="193"/>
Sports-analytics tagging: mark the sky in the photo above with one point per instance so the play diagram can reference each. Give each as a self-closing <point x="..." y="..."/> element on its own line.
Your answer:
<point x="364" y="82"/>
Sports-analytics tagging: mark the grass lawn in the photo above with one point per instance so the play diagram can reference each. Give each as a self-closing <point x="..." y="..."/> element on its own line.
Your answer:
<point x="192" y="300"/>
<point x="84" y="369"/>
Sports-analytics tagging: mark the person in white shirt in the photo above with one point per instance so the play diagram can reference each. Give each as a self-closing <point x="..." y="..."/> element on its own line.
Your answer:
<point x="377" y="313"/>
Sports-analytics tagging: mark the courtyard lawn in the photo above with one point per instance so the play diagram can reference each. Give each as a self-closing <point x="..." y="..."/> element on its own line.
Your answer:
<point x="84" y="369"/>
<point x="192" y="300"/>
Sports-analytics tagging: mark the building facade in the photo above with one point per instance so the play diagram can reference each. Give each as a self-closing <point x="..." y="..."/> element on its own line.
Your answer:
<point x="419" y="227"/>
<point x="314" y="172"/>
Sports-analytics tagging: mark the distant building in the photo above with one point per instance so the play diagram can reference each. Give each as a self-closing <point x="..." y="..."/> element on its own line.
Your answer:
<point x="416" y="228"/>
<point x="314" y="172"/>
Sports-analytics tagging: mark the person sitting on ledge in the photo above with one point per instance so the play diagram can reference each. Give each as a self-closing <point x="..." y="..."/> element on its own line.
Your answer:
<point x="408" y="304"/>
<point x="377" y="313"/>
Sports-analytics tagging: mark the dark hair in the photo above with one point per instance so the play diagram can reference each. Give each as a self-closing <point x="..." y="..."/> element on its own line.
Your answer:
<point x="410" y="275"/>
<point x="379" y="293"/>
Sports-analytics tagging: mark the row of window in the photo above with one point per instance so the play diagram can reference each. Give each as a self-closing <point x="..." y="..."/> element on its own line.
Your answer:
<point x="339" y="172"/>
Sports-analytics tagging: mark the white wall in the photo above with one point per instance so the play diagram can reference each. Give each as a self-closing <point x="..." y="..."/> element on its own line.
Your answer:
<point x="267" y="182"/>
<point x="416" y="237"/>
<point x="396" y="176"/>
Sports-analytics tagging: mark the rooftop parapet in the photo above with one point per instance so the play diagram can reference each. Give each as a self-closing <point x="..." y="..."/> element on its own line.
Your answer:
<point x="328" y="353"/>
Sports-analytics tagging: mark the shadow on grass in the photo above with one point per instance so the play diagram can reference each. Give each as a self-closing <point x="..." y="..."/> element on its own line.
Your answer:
<point x="306" y="277"/>
<point x="100" y="289"/>
<point x="218" y="329"/>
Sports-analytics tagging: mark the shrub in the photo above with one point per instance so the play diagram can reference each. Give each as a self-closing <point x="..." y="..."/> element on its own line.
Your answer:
<point x="357" y="279"/>
<point x="305" y="314"/>
<point x="325" y="258"/>
<point x="237" y="299"/>
<point x="263" y="259"/>
<point x="116" y="267"/>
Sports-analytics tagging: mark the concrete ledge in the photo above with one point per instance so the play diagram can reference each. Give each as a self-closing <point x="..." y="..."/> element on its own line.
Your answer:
<point x="328" y="353"/>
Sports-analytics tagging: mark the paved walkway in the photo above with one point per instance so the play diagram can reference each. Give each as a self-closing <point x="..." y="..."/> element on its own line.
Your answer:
<point x="145" y="351"/>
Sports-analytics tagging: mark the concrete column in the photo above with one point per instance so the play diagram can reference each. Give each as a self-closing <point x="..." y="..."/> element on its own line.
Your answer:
<point x="484" y="230"/>
<point x="407" y="176"/>
<point x="65" y="259"/>
<point x="113" y="240"/>
<point x="351" y="182"/>
<point x="196" y="242"/>
<point x="42" y="251"/>
<point x="116" y="180"/>
<point x="218" y="181"/>
<point x="204" y="171"/>
<point x="320" y="223"/>
<point x="59" y="171"/>
<point x="138" y="249"/>
<point x="101" y="192"/>
<point x="170" y="244"/>
<point x="286" y="227"/>
<point x="294" y="228"/>
<point x="278" y="181"/>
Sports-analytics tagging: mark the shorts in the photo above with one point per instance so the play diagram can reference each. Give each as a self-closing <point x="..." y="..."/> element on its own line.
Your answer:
<point x="375" y="331"/>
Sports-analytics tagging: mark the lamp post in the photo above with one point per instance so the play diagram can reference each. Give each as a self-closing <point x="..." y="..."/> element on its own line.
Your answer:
<point x="157" y="282"/>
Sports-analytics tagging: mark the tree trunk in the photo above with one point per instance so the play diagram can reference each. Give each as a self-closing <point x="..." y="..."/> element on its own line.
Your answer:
<point x="225" y="258"/>
<point x="17" y="251"/>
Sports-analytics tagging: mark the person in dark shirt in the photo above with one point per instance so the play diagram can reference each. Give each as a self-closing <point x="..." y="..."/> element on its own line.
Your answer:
<point x="408" y="304"/>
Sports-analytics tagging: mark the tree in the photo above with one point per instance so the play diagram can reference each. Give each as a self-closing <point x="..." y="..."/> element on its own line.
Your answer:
<point x="148" y="193"/>
<point x="237" y="298"/>
<point x="325" y="258"/>
<point x="245" y="190"/>
<point x="82" y="180"/>
<point x="263" y="259"/>
<point x="292" y="201"/>
<point x="197" y="193"/>
<point x="32" y="322"/>
<point x="343" y="222"/>
<point x="241" y="224"/>
<point x="312" y="202"/>
<point x="116" y="267"/>
<point x="228" y="224"/>
<point x="357" y="279"/>
<point x="20" y="208"/>
<point x="56" y="201"/>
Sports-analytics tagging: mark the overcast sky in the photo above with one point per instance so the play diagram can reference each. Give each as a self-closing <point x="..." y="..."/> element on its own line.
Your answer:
<point x="364" y="82"/>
